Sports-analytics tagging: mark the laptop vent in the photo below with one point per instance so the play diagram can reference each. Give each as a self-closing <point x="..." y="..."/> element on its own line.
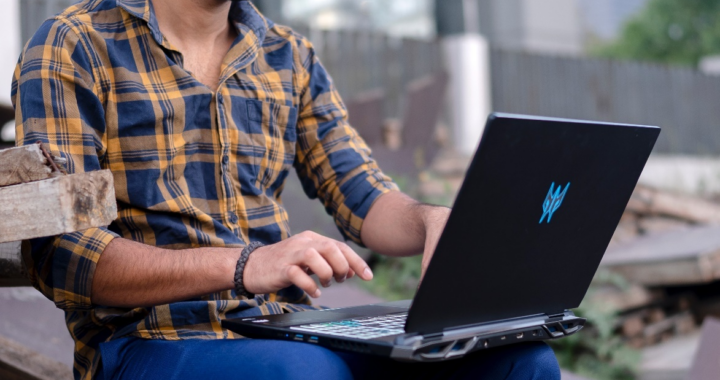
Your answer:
<point x="350" y="346"/>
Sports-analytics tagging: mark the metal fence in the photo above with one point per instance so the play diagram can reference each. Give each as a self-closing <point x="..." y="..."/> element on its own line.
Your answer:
<point x="34" y="12"/>
<point x="684" y="102"/>
<point x="360" y="61"/>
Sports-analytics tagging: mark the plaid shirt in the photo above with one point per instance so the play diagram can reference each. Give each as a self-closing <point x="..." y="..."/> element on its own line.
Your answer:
<point x="102" y="87"/>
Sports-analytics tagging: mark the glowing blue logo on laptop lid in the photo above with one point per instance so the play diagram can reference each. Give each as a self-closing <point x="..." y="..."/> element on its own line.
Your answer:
<point x="553" y="200"/>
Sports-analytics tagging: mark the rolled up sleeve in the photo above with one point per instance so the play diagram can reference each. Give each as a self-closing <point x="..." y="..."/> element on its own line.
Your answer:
<point x="333" y="162"/>
<point x="56" y="101"/>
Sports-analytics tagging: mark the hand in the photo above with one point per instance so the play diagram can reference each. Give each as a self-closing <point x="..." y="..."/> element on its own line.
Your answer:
<point x="293" y="260"/>
<point x="435" y="219"/>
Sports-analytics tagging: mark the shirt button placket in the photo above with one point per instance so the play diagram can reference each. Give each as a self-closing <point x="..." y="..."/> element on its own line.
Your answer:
<point x="225" y="159"/>
<point x="223" y="141"/>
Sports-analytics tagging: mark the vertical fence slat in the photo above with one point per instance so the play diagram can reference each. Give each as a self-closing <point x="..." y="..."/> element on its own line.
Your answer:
<point x="680" y="100"/>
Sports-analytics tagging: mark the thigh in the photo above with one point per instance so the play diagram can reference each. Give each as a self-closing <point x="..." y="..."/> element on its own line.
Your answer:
<point x="134" y="358"/>
<point x="528" y="361"/>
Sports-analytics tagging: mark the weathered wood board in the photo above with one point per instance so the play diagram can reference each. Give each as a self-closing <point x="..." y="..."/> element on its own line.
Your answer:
<point x="59" y="205"/>
<point x="688" y="256"/>
<point x="23" y="164"/>
<point x="656" y="202"/>
<point x="20" y="363"/>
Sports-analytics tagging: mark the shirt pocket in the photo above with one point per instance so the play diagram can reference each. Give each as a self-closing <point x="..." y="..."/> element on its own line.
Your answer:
<point x="278" y="124"/>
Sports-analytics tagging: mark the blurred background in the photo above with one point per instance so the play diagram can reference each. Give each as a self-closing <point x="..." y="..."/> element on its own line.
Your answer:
<point x="419" y="77"/>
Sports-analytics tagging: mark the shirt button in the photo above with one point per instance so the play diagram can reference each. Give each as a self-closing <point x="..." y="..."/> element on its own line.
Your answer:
<point x="225" y="160"/>
<point x="220" y="99"/>
<point x="233" y="218"/>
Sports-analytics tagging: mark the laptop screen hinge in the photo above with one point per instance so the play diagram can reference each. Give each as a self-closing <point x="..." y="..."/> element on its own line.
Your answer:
<point x="555" y="317"/>
<point x="432" y="336"/>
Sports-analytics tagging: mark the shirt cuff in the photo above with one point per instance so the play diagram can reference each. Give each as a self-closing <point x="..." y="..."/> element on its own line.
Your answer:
<point x="74" y="262"/>
<point x="361" y="192"/>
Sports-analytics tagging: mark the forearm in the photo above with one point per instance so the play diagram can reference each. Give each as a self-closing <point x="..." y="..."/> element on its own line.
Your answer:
<point x="397" y="225"/>
<point x="132" y="274"/>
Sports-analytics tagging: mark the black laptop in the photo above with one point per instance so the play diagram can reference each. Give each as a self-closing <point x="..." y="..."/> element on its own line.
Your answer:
<point x="534" y="215"/>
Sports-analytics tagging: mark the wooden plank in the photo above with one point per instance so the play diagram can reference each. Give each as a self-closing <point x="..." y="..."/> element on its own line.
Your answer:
<point x="658" y="224"/>
<point x="687" y="243"/>
<point x="60" y="205"/>
<point x="23" y="164"/>
<point x="20" y="363"/>
<point x="684" y="207"/>
<point x="686" y="256"/>
<point x="689" y="208"/>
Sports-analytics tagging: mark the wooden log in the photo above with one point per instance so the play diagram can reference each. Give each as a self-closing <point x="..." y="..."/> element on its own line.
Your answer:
<point x="614" y="299"/>
<point x="23" y="164"/>
<point x="689" y="208"/>
<point x="59" y="205"/>
<point x="692" y="209"/>
<point x="639" y="202"/>
<point x="633" y="326"/>
<point x="625" y="232"/>
<point x="20" y="363"/>
<point x="655" y="315"/>
<point x="654" y="331"/>
<point x="657" y="224"/>
<point x="689" y="256"/>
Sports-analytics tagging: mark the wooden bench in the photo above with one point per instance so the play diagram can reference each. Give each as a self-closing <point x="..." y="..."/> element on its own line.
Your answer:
<point x="687" y="256"/>
<point x="37" y="198"/>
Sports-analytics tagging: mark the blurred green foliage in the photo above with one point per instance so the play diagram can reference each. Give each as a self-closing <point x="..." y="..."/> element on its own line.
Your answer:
<point x="669" y="31"/>
<point x="395" y="278"/>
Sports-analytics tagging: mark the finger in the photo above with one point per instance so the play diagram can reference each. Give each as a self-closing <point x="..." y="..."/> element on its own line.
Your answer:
<point x="357" y="264"/>
<point x="351" y="273"/>
<point x="298" y="277"/>
<point x="335" y="257"/>
<point x="312" y="259"/>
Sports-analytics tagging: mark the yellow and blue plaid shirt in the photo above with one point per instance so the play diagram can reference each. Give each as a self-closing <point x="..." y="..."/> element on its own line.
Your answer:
<point x="102" y="88"/>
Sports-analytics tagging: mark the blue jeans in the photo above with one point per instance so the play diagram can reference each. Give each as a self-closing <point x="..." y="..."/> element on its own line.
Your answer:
<point x="134" y="358"/>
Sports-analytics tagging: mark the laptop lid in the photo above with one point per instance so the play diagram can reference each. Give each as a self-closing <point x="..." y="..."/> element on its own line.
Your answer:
<point x="533" y="217"/>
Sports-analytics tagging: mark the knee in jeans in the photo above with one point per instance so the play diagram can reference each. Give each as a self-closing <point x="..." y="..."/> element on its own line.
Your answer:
<point x="316" y="361"/>
<point x="539" y="361"/>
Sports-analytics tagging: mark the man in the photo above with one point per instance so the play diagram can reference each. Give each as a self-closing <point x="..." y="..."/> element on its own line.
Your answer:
<point x="200" y="108"/>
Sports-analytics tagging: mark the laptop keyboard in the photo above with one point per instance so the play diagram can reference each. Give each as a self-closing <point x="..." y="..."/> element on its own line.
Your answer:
<point x="359" y="328"/>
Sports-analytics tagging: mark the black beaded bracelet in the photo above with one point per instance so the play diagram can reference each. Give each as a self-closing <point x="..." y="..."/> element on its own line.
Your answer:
<point x="239" y="285"/>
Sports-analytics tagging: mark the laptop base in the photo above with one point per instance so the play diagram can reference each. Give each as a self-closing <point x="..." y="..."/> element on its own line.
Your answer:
<point x="413" y="347"/>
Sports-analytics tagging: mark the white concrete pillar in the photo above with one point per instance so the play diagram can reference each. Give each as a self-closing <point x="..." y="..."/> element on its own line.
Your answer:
<point x="9" y="46"/>
<point x="467" y="59"/>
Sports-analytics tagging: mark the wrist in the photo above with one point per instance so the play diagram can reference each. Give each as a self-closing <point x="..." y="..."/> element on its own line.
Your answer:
<point x="240" y="278"/>
<point x="229" y="263"/>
